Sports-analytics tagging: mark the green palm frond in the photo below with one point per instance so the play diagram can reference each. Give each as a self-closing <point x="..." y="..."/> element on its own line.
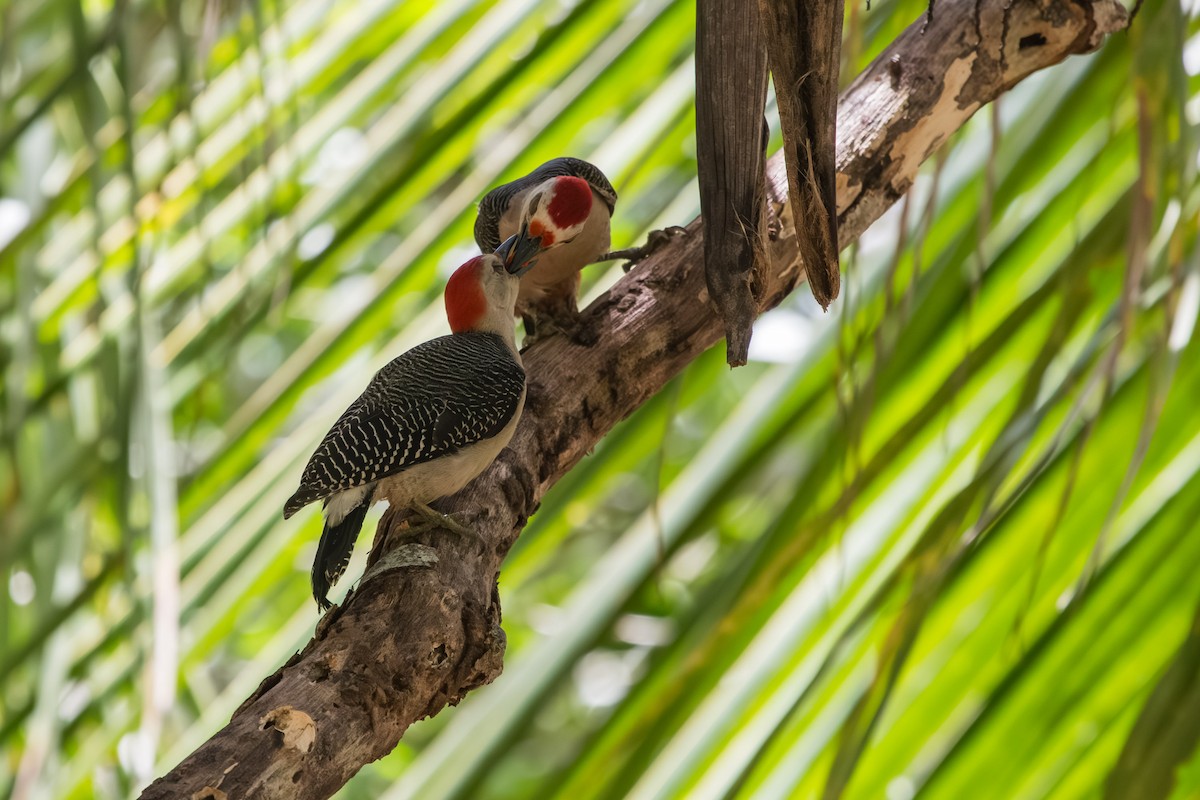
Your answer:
<point x="938" y="542"/>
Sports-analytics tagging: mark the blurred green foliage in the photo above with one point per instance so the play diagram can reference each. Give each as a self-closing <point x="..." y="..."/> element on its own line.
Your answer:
<point x="941" y="541"/>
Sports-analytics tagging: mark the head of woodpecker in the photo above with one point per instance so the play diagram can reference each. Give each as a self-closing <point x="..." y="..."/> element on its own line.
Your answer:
<point x="481" y="294"/>
<point x="555" y="212"/>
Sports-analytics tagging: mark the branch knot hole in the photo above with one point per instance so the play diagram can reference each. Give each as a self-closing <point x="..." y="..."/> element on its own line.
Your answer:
<point x="438" y="656"/>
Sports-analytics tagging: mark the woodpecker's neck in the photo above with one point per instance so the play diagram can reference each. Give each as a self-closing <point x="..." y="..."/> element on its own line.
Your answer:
<point x="481" y="298"/>
<point x="496" y="320"/>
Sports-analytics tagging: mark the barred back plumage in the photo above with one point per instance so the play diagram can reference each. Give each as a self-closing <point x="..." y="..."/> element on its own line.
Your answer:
<point x="433" y="400"/>
<point x="495" y="203"/>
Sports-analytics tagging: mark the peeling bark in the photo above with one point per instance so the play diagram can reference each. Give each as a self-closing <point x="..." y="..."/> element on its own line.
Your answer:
<point x="423" y="627"/>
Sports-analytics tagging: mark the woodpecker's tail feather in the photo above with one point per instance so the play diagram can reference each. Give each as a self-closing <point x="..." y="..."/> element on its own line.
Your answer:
<point x="298" y="501"/>
<point x="334" y="549"/>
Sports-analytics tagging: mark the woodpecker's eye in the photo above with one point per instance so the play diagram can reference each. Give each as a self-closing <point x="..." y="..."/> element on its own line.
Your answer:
<point x="535" y="203"/>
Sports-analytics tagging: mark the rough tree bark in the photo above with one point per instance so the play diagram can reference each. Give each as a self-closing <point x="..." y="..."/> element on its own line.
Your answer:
<point x="423" y="627"/>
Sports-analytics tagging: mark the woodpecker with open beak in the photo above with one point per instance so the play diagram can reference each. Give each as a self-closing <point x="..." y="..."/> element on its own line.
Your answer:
<point x="547" y="203"/>
<point x="431" y="420"/>
<point x="543" y="203"/>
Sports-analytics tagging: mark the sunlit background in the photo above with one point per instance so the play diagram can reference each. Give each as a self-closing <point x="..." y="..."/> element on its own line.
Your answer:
<point x="941" y="541"/>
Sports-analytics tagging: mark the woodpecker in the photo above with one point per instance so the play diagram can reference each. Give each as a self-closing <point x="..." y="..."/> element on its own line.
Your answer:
<point x="543" y="202"/>
<point x="431" y="419"/>
<point x="559" y="194"/>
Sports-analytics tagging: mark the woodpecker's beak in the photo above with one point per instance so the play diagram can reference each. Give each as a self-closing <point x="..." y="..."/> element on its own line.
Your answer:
<point x="520" y="252"/>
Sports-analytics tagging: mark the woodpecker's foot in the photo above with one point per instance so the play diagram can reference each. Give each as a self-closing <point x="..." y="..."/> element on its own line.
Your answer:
<point x="655" y="240"/>
<point x="440" y="520"/>
<point x="573" y="327"/>
<point x="582" y="334"/>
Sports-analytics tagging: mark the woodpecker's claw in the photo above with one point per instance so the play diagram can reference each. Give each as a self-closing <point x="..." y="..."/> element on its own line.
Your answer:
<point x="582" y="335"/>
<point x="440" y="520"/>
<point x="655" y="240"/>
<point x="571" y="325"/>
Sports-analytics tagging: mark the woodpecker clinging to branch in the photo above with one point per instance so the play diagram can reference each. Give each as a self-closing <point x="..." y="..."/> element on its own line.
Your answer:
<point x="429" y="421"/>
<point x="533" y="202"/>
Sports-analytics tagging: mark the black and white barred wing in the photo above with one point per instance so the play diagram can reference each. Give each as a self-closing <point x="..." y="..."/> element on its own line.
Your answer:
<point x="435" y="399"/>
